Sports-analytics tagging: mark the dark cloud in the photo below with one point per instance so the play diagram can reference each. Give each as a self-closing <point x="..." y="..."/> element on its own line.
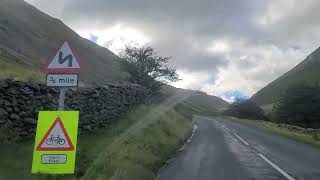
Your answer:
<point x="258" y="34"/>
<point x="203" y="19"/>
<point x="173" y="25"/>
<point x="171" y="21"/>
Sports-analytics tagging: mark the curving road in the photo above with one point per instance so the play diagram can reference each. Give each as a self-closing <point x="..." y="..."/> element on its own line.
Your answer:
<point x="225" y="150"/>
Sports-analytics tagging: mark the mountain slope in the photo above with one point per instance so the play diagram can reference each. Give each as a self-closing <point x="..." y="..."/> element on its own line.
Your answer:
<point x="28" y="37"/>
<point x="305" y="72"/>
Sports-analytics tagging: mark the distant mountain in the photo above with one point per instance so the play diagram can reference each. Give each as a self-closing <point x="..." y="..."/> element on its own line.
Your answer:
<point x="28" y="37"/>
<point x="308" y="71"/>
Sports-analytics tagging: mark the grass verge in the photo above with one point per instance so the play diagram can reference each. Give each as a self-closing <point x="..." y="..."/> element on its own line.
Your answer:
<point x="134" y="148"/>
<point x="15" y="71"/>
<point x="307" y="136"/>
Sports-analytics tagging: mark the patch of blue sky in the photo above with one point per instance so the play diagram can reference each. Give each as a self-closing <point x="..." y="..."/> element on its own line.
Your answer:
<point x="235" y="94"/>
<point x="93" y="38"/>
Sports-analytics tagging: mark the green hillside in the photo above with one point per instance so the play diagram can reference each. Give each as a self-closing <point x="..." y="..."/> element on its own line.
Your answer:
<point x="305" y="72"/>
<point x="199" y="102"/>
<point x="28" y="37"/>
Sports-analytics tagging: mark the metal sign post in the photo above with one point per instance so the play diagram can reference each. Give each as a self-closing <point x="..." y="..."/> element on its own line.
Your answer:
<point x="62" y="98"/>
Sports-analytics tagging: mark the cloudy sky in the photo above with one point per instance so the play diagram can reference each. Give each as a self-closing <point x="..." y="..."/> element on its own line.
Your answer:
<point x="226" y="48"/>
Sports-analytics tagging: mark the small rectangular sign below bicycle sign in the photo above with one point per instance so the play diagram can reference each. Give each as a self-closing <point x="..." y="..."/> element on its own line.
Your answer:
<point x="54" y="159"/>
<point x="55" y="143"/>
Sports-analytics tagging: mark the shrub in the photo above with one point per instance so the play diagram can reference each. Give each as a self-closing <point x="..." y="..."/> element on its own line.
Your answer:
<point x="246" y="109"/>
<point x="147" y="68"/>
<point x="300" y="106"/>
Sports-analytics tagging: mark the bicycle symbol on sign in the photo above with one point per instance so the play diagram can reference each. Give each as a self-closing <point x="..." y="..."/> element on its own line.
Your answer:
<point x="57" y="140"/>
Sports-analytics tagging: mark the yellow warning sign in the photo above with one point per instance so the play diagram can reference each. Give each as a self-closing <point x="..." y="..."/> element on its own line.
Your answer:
<point x="55" y="143"/>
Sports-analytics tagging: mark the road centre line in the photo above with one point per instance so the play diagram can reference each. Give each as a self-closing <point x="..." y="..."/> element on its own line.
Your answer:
<point x="245" y="142"/>
<point x="227" y="129"/>
<point x="276" y="167"/>
<point x="286" y="175"/>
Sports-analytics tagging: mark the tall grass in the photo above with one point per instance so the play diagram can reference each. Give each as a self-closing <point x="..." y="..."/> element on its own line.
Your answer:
<point x="133" y="148"/>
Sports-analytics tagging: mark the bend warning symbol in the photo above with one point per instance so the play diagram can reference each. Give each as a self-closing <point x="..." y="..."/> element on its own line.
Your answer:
<point x="65" y="60"/>
<point x="56" y="138"/>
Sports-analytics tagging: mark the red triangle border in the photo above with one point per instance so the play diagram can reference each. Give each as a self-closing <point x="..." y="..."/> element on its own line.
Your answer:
<point x="63" y="70"/>
<point x="70" y="148"/>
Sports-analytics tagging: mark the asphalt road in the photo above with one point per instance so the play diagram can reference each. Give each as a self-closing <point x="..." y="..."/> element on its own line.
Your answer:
<point x="225" y="150"/>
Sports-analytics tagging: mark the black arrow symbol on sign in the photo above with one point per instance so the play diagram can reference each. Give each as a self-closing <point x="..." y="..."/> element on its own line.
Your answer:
<point x="67" y="58"/>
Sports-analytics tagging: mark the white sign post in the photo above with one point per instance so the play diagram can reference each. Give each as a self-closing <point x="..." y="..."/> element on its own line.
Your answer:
<point x="63" y="71"/>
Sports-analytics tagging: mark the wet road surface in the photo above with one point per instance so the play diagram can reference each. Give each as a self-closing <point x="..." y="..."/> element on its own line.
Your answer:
<point x="223" y="150"/>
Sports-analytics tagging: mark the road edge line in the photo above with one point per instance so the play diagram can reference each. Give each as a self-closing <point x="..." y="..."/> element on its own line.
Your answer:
<point x="169" y="161"/>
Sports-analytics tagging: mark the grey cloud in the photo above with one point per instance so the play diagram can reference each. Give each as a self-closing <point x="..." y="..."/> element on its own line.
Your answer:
<point x="201" y="63"/>
<point x="203" y="18"/>
<point x="299" y="25"/>
<point x="173" y="25"/>
<point x="183" y="29"/>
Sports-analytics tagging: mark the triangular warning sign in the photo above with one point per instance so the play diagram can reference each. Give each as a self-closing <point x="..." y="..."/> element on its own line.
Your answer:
<point x="56" y="138"/>
<point x="64" y="60"/>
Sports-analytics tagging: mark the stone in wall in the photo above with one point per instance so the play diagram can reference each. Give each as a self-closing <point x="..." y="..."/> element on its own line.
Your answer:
<point x="20" y="103"/>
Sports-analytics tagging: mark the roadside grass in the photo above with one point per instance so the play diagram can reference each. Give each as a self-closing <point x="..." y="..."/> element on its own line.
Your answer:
<point x="15" y="71"/>
<point x="141" y="150"/>
<point x="307" y="136"/>
<point x="134" y="148"/>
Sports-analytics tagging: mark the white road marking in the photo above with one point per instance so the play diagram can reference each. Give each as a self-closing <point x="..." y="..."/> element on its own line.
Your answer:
<point x="261" y="155"/>
<point x="227" y="129"/>
<point x="276" y="167"/>
<point x="195" y="127"/>
<point x="245" y="142"/>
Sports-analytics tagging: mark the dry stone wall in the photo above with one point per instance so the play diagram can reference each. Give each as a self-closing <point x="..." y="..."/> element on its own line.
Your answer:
<point x="20" y="103"/>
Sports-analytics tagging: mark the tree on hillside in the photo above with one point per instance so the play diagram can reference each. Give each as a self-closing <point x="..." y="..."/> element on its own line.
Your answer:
<point x="147" y="68"/>
<point x="245" y="109"/>
<point x="299" y="105"/>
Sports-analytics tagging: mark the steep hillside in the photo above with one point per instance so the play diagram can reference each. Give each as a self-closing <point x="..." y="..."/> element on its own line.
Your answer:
<point x="28" y="37"/>
<point x="305" y="72"/>
<point x="196" y="102"/>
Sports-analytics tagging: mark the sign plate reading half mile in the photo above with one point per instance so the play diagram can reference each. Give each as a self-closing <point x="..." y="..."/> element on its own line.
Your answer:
<point x="62" y="80"/>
